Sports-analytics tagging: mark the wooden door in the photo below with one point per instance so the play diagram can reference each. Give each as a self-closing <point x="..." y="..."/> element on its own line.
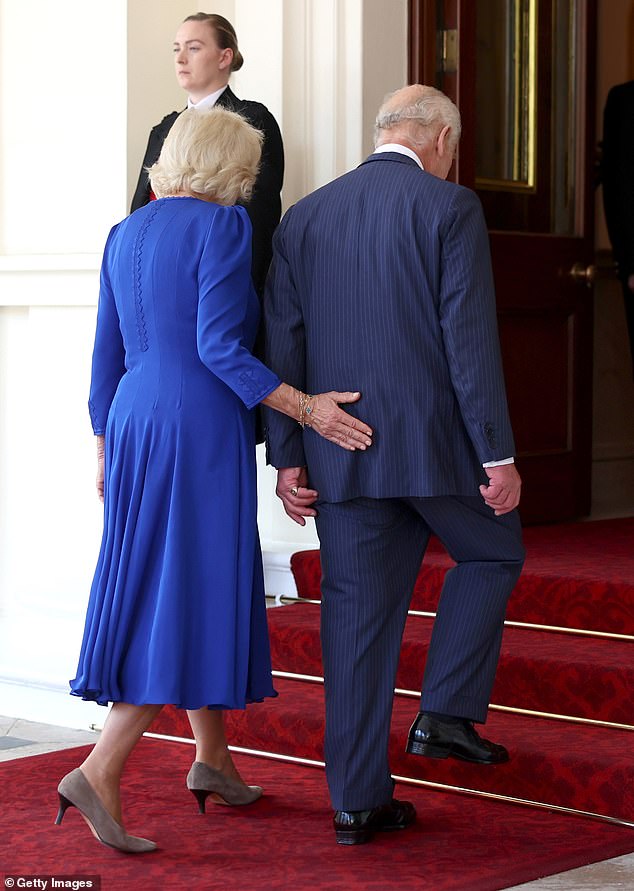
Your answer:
<point x="522" y="73"/>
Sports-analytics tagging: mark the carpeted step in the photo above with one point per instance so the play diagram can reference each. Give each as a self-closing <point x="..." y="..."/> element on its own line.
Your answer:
<point x="576" y="575"/>
<point x="556" y="673"/>
<point x="558" y="763"/>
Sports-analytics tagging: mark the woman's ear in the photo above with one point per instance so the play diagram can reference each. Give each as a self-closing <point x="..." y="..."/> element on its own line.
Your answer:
<point x="226" y="58"/>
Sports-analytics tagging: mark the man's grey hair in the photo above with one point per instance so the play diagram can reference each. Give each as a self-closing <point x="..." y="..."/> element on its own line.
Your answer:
<point x="421" y="119"/>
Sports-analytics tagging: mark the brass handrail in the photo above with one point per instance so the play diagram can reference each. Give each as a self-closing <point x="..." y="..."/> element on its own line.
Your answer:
<point x="531" y="626"/>
<point x="413" y="781"/>
<point x="509" y="709"/>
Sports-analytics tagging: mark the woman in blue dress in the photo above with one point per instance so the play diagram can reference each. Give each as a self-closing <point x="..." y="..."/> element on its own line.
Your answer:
<point x="176" y="611"/>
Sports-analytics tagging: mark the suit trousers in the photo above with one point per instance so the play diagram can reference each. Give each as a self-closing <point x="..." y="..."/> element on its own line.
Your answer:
<point x="371" y="551"/>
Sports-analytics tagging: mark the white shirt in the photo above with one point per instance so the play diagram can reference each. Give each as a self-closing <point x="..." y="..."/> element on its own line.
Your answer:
<point x="410" y="153"/>
<point x="399" y="149"/>
<point x="208" y="101"/>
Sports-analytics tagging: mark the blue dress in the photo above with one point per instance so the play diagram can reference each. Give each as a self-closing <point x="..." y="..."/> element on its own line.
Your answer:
<point x="177" y="611"/>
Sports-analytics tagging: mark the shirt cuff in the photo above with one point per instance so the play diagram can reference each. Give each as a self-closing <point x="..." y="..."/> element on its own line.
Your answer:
<point x="499" y="463"/>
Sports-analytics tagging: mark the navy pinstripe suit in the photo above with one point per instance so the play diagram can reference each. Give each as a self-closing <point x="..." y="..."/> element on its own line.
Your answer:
<point x="381" y="282"/>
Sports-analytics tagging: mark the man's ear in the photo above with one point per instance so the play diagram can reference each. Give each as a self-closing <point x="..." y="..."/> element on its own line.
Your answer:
<point x="442" y="142"/>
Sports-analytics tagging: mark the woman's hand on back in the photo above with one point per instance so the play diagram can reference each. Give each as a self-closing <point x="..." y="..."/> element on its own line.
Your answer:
<point x="323" y="415"/>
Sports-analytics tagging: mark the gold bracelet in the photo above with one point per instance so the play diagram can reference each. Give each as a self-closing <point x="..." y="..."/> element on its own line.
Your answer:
<point x="304" y="408"/>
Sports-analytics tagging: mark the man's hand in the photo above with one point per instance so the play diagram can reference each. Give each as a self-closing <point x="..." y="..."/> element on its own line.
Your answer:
<point x="503" y="492"/>
<point x="296" y="497"/>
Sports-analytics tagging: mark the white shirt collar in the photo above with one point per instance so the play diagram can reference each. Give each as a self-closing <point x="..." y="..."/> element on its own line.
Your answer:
<point x="208" y="101"/>
<point x="399" y="149"/>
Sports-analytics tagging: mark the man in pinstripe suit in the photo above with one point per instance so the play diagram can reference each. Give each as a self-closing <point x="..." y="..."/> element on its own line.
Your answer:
<point x="381" y="283"/>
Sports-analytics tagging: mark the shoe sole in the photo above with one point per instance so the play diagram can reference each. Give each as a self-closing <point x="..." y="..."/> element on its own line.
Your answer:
<point x="361" y="836"/>
<point x="431" y="751"/>
<point x="356" y="837"/>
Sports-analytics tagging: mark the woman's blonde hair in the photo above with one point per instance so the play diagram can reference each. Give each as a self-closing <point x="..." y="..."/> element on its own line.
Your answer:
<point x="214" y="154"/>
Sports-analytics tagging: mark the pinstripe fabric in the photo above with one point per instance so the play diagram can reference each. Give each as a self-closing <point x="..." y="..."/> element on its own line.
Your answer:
<point x="370" y="556"/>
<point x="371" y="552"/>
<point x="381" y="282"/>
<point x="465" y="644"/>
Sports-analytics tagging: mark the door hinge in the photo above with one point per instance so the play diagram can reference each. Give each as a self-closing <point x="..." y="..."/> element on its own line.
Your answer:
<point x="448" y="50"/>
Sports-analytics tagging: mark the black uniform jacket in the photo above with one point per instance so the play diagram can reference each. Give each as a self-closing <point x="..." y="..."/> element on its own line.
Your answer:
<point x="265" y="206"/>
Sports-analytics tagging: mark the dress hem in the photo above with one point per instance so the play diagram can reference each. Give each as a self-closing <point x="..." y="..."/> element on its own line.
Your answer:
<point x="100" y="699"/>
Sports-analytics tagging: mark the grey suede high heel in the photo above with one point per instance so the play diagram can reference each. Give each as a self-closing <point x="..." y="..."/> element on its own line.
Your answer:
<point x="75" y="791"/>
<point x="203" y="780"/>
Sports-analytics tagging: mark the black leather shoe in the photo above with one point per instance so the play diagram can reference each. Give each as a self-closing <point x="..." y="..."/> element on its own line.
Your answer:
<point x="358" y="827"/>
<point x="440" y="739"/>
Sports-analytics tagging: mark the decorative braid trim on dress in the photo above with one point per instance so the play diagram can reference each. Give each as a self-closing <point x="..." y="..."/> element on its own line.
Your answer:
<point x="97" y="429"/>
<point x="137" y="256"/>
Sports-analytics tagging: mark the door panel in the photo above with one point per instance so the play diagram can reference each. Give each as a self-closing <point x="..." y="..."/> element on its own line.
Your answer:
<point x="524" y="82"/>
<point x="549" y="385"/>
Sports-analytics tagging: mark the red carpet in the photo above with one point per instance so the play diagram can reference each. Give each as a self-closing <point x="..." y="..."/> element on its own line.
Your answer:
<point x="567" y="763"/>
<point x="576" y="576"/>
<point x="285" y="841"/>
<point x="579" y="575"/>
<point x="545" y="672"/>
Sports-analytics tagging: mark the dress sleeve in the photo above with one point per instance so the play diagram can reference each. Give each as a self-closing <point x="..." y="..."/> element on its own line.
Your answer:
<point x="224" y="290"/>
<point x="108" y="357"/>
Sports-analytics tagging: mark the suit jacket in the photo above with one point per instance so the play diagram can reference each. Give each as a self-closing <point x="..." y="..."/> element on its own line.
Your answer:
<point x="265" y="206"/>
<point x="381" y="282"/>
<point x="617" y="174"/>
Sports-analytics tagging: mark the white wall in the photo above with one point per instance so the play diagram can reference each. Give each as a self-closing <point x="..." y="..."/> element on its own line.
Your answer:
<point x="62" y="182"/>
<point x="151" y="88"/>
<point x="60" y="89"/>
<point x="73" y="128"/>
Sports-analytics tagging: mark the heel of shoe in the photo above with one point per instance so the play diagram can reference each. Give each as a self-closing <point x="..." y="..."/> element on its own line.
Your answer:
<point x="427" y="749"/>
<point x="201" y="797"/>
<point x="64" y="803"/>
<point x="353" y="836"/>
<point x="74" y="790"/>
<point x="203" y="780"/>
